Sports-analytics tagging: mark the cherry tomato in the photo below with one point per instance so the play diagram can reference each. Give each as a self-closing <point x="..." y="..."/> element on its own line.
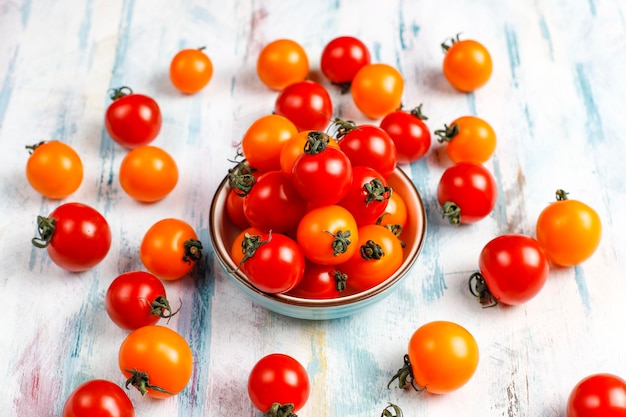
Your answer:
<point x="377" y="90"/>
<point x="328" y="235"/>
<point x="135" y="299"/>
<point x="273" y="262"/>
<point x="156" y="360"/>
<point x="569" y="230"/>
<point x="234" y="210"/>
<point x="237" y="249"/>
<point x="191" y="70"/>
<point x="132" y="120"/>
<point x="409" y="133"/>
<point x="98" y="398"/>
<point x="468" y="139"/>
<point x="278" y="380"/>
<point x="467" y="64"/>
<point x="294" y="147"/>
<point x="76" y="236"/>
<point x="379" y="255"/>
<point x="342" y="58"/>
<point x="263" y="141"/>
<point x="320" y="282"/>
<point x="307" y="104"/>
<point x="598" y="395"/>
<point x="395" y="212"/>
<point x="322" y="174"/>
<point x="170" y="249"/>
<point x="513" y="269"/>
<point x="54" y="169"/>
<point x="282" y="62"/>
<point x="368" y="145"/>
<point x="148" y="173"/>
<point x="442" y="357"/>
<point x="274" y="204"/>
<point x="466" y="193"/>
<point x="368" y="195"/>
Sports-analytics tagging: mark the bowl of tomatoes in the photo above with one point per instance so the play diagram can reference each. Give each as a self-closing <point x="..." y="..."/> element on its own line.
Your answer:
<point x="404" y="220"/>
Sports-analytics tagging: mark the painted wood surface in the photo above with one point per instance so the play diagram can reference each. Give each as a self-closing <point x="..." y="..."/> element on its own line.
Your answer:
<point x="555" y="101"/>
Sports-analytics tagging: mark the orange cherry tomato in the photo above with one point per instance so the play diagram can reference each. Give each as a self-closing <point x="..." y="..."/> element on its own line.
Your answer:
<point x="156" y="360"/>
<point x="568" y="230"/>
<point x="377" y="90"/>
<point x="378" y="256"/>
<point x="395" y="212"/>
<point x="442" y="357"/>
<point x="294" y="147"/>
<point x="148" y="173"/>
<point x="191" y="70"/>
<point x="468" y="139"/>
<point x="282" y="62"/>
<point x="264" y="140"/>
<point x="54" y="169"/>
<point x="170" y="249"/>
<point x="467" y="64"/>
<point x="328" y="235"/>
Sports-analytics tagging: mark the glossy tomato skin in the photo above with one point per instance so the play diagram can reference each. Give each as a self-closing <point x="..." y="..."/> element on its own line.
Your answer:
<point x="282" y="62"/>
<point x="368" y="196"/>
<point x="133" y="120"/>
<point x="342" y="58"/>
<point x="569" y="230"/>
<point x="294" y="147"/>
<point x="371" y="146"/>
<point x="277" y="265"/>
<point x="162" y="354"/>
<point x="469" y="139"/>
<point x="274" y="204"/>
<point x="471" y="187"/>
<point x="443" y="355"/>
<point x="81" y="237"/>
<point x="98" y="398"/>
<point x="54" y="169"/>
<point x="278" y="378"/>
<point x="263" y="142"/>
<point x="234" y="210"/>
<point x="598" y="395"/>
<point x="237" y="251"/>
<point x="377" y="90"/>
<point x="319" y="282"/>
<point x="515" y="268"/>
<point x="130" y="297"/>
<point x="191" y="70"/>
<point x="467" y="65"/>
<point x="395" y="213"/>
<point x="164" y="252"/>
<point x="148" y="173"/>
<point x="410" y="134"/>
<point x="307" y="104"/>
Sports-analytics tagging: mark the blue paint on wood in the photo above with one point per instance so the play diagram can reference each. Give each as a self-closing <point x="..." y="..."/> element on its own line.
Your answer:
<point x="512" y="49"/>
<point x="85" y="26"/>
<point x="594" y="120"/>
<point x="592" y="7"/>
<point x="471" y="103"/>
<point x="7" y="86"/>
<point x="583" y="291"/>
<point x="545" y="33"/>
<point x="25" y="12"/>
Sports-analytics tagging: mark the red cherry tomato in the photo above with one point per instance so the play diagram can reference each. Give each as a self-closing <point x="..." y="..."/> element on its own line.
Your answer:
<point x="136" y="299"/>
<point x="513" y="269"/>
<point x="277" y="380"/>
<point x="191" y="70"/>
<point x="368" y="195"/>
<point x="467" y="64"/>
<point x="598" y="395"/>
<point x="76" y="236"/>
<point x="234" y="210"/>
<point x="342" y="58"/>
<point x="368" y="145"/>
<point x="409" y="133"/>
<point x="274" y="262"/>
<point x="98" y="398"/>
<point x="307" y="104"/>
<point x="132" y="120"/>
<point x="320" y="282"/>
<point x="466" y="193"/>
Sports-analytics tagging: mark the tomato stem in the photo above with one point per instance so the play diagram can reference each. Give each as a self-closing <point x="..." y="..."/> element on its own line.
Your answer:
<point x="478" y="288"/>
<point x="31" y="148"/>
<point x="160" y="305"/>
<point x="417" y="112"/>
<point x="341" y="241"/>
<point x="340" y="280"/>
<point x="250" y="244"/>
<point x="281" y="410"/>
<point x="141" y="381"/>
<point x="371" y="250"/>
<point x="343" y="127"/>
<point x="561" y="195"/>
<point x="193" y="250"/>
<point x="316" y="142"/>
<point x="240" y="178"/>
<point x="45" y="226"/>
<point x="447" y="133"/>
<point x="376" y="191"/>
<point x="392" y="410"/>
<point x="452" y="212"/>
<point x="405" y="374"/>
<point x="445" y="46"/>
<point x="116" y="93"/>
<point x="396" y="229"/>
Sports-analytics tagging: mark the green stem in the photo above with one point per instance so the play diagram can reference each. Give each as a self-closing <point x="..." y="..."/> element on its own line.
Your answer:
<point x="117" y="93"/>
<point x="316" y="142"/>
<point x="447" y="133"/>
<point x="376" y="191"/>
<point x="404" y="375"/>
<point x="45" y="226"/>
<point x="371" y="250"/>
<point x="343" y="127"/>
<point x="561" y="195"/>
<point x="31" y="148"/>
<point x="241" y="179"/>
<point x="478" y="288"/>
<point x="193" y="250"/>
<point x="341" y="241"/>
<point x="281" y="410"/>
<point x="160" y="306"/>
<point x="340" y="280"/>
<point x="141" y="381"/>
<point x="452" y="212"/>
<point x="417" y="112"/>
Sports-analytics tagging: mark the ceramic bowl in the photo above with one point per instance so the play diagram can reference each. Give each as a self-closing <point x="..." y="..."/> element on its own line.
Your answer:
<point x="223" y="233"/>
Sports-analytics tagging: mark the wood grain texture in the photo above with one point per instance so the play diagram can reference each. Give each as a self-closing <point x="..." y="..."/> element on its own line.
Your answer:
<point x="555" y="100"/>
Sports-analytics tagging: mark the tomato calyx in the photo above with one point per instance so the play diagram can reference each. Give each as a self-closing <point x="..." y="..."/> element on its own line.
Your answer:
<point x="417" y="112"/>
<point x="445" y="45"/>
<point x="45" y="227"/>
<point x="392" y="410"/>
<point x="404" y="375"/>
<point x="376" y="191"/>
<point x="452" y="212"/>
<point x="160" y="306"/>
<point x="240" y="178"/>
<point x="250" y="244"/>
<point x="340" y="280"/>
<point x="478" y="288"/>
<point x="447" y="133"/>
<point x="561" y="195"/>
<point x="371" y="250"/>
<point x="141" y="381"/>
<point x="117" y="93"/>
<point x="316" y="142"/>
<point x="31" y="148"/>
<point x="281" y="410"/>
<point x="193" y="250"/>
<point x="343" y="127"/>
<point x="341" y="241"/>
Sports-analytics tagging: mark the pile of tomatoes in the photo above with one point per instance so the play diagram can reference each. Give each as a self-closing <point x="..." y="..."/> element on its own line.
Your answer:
<point x="317" y="220"/>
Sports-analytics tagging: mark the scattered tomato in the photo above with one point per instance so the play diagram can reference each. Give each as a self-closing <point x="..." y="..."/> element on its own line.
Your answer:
<point x="468" y="139"/>
<point x="263" y="141"/>
<point x="148" y="173"/>
<point x="342" y="58"/>
<point x="409" y="133"/>
<point x="598" y="395"/>
<point x="307" y="104"/>
<point x="377" y="90"/>
<point x="467" y="64"/>
<point x="191" y="70"/>
<point x="132" y="120"/>
<point x="98" y="398"/>
<point x="54" y="169"/>
<point x="282" y="62"/>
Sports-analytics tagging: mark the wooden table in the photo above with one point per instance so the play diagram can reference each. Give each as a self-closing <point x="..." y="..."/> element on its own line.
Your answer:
<point x="555" y="101"/>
